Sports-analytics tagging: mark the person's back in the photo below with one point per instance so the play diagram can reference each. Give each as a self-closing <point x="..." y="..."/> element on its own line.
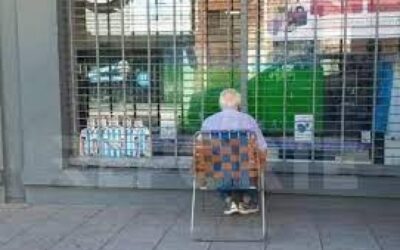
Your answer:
<point x="232" y="119"/>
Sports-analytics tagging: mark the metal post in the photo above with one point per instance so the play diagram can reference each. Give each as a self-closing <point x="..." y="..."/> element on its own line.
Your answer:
<point x="204" y="85"/>
<point x="314" y="83"/>
<point x="244" y="53"/>
<point x="203" y="22"/>
<point x="97" y="48"/>
<point x="110" y="91"/>
<point x="72" y="68"/>
<point x="230" y="41"/>
<point x="258" y="56"/>
<point x="285" y="83"/>
<point x="11" y="117"/>
<point x="175" y="82"/>
<point x="149" y="75"/>
<point x="133" y="91"/>
<point x="124" y="87"/>
<point x="375" y="81"/>
<point x="181" y="76"/>
<point x="124" y="76"/>
<point x="344" y="46"/>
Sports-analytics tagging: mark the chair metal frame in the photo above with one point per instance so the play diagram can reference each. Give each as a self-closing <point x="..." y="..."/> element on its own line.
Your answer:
<point x="261" y="161"/>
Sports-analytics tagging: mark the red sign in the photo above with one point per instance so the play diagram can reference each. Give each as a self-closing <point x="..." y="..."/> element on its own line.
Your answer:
<point x="384" y="5"/>
<point x="332" y="7"/>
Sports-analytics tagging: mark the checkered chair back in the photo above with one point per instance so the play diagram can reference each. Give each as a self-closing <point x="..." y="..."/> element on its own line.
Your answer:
<point x="226" y="160"/>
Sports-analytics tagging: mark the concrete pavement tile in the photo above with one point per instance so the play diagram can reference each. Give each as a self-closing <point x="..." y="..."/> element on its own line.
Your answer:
<point x="383" y="219"/>
<point x="291" y="247"/>
<point x="162" y="209"/>
<point x="51" y="231"/>
<point x="297" y="224"/>
<point x="133" y="235"/>
<point x="301" y="235"/>
<point x="287" y="217"/>
<point x="237" y="246"/>
<point x="386" y="229"/>
<point x="125" y="244"/>
<point x="341" y="217"/>
<point x="174" y="235"/>
<point x="183" y="245"/>
<point x="336" y="237"/>
<point x="20" y="222"/>
<point x="389" y="241"/>
<point x="98" y="230"/>
<point x="144" y="234"/>
<point x="156" y="219"/>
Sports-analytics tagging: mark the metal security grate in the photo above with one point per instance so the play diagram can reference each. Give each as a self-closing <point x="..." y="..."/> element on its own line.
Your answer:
<point x="322" y="77"/>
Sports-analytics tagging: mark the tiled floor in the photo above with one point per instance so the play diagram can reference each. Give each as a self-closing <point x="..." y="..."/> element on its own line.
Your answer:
<point x="295" y="222"/>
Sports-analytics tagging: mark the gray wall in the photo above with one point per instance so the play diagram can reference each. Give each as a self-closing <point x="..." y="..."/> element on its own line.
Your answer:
<point x="40" y="90"/>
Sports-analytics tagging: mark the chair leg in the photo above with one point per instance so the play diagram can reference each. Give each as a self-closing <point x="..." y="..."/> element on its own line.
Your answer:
<point x="263" y="211"/>
<point x="193" y="207"/>
<point x="203" y="199"/>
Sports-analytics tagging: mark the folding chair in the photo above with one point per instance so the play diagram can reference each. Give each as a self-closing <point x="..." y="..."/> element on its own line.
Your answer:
<point x="230" y="160"/>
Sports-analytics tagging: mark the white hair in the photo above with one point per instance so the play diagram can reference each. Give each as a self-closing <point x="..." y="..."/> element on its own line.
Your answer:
<point x="229" y="98"/>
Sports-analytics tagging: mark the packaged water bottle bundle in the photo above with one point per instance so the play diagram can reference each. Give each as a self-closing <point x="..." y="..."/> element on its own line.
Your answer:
<point x="108" y="139"/>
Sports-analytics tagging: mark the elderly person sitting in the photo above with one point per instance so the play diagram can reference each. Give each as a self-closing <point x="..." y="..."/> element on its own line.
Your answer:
<point x="230" y="118"/>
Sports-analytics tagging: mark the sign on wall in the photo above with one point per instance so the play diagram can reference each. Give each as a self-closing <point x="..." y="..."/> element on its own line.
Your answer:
<point x="168" y="130"/>
<point x="303" y="128"/>
<point x="327" y="18"/>
<point x="134" y="15"/>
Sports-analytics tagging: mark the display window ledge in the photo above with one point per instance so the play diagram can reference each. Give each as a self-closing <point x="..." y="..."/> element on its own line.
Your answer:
<point x="155" y="162"/>
<point x="184" y="163"/>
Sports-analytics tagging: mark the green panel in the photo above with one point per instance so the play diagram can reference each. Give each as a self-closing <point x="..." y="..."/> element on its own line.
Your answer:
<point x="267" y="96"/>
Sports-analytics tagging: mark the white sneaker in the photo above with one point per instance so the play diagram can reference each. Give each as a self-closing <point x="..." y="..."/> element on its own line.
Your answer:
<point x="246" y="209"/>
<point x="232" y="210"/>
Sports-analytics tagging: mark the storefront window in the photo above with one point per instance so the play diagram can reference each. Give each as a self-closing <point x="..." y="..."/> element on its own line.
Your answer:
<point x="322" y="76"/>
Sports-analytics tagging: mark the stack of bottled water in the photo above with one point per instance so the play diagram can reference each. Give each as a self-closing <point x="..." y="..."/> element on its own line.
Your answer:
<point x="105" y="137"/>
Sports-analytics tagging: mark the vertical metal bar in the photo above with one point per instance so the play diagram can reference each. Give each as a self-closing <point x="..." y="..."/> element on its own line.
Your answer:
<point x="258" y="56"/>
<point x="344" y="46"/>
<point x="156" y="64"/>
<point x="72" y="68"/>
<point x="314" y="83"/>
<point x="149" y="72"/>
<point x="98" y="69"/>
<point x="203" y="51"/>
<point x="124" y="75"/>
<point x="109" y="45"/>
<point x="244" y="53"/>
<point x="181" y="76"/>
<point x="131" y="14"/>
<point x="97" y="48"/>
<point x="193" y="205"/>
<point x="207" y="56"/>
<point x="285" y="83"/>
<point x="229" y="40"/>
<point x="175" y="82"/>
<point x="263" y="209"/>
<point x="375" y="80"/>
<point x="133" y="91"/>
<point x="123" y="57"/>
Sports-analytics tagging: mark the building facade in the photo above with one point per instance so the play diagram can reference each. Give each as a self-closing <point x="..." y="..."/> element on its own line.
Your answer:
<point x="108" y="93"/>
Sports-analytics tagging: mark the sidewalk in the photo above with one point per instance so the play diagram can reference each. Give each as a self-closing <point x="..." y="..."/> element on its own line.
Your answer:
<point x="295" y="223"/>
